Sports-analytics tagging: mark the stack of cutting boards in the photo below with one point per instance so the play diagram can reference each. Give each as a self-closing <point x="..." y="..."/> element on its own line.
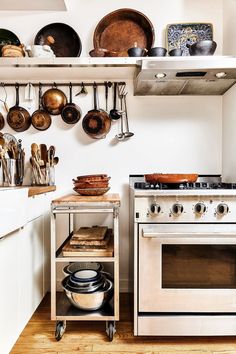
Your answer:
<point x="90" y="241"/>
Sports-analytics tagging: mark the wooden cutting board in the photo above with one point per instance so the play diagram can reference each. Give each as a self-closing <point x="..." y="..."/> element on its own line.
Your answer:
<point x="102" y="243"/>
<point x="90" y="233"/>
<point x="72" y="251"/>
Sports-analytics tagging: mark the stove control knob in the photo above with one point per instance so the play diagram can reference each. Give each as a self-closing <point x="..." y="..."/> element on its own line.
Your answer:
<point x="222" y="209"/>
<point x="177" y="209"/>
<point x="200" y="208"/>
<point x="155" y="209"/>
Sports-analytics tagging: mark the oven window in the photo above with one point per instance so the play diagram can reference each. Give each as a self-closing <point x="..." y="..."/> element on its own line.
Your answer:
<point x="199" y="266"/>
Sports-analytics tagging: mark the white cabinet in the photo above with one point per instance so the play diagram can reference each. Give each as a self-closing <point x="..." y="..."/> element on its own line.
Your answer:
<point x="24" y="271"/>
<point x="9" y="302"/>
<point x="30" y="266"/>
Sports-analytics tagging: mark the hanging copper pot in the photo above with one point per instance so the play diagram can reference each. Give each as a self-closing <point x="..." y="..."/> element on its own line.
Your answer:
<point x="53" y="100"/>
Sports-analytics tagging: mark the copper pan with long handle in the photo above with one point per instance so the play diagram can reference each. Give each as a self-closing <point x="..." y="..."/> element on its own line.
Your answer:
<point x="170" y="178"/>
<point x="96" y="122"/>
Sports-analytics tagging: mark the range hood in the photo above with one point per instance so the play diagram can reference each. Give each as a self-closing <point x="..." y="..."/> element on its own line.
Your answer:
<point x="206" y="75"/>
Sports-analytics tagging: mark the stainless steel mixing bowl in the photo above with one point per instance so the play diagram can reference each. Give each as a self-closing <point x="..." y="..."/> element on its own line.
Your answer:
<point x="89" y="301"/>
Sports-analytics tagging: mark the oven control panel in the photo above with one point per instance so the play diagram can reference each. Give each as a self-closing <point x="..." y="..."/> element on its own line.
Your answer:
<point x="185" y="209"/>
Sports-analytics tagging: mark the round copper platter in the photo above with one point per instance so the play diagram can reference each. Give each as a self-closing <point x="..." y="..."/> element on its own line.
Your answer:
<point x="121" y="29"/>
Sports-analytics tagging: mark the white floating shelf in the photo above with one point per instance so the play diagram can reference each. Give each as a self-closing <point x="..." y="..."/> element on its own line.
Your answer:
<point x="32" y="5"/>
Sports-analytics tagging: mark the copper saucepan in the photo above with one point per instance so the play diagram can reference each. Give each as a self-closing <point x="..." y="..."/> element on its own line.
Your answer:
<point x="18" y="117"/>
<point x="53" y="100"/>
<point x="41" y="120"/>
<point x="96" y="123"/>
<point x="71" y="113"/>
<point x="170" y="178"/>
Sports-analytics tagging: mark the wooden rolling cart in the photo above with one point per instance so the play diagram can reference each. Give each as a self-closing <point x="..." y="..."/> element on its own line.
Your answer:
<point x="61" y="309"/>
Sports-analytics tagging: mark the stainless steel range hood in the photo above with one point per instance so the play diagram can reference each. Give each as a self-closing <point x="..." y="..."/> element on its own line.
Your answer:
<point x="211" y="75"/>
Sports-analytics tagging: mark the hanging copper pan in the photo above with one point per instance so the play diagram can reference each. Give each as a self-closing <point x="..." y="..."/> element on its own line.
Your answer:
<point x="96" y="122"/>
<point x="170" y="178"/>
<point x="53" y="100"/>
<point x="41" y="120"/>
<point x="18" y="117"/>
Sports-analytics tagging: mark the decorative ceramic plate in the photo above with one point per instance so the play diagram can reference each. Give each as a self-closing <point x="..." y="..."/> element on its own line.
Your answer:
<point x="179" y="34"/>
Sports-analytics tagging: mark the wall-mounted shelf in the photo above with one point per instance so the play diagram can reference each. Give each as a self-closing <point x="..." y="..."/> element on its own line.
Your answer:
<point x="30" y="5"/>
<point x="180" y="75"/>
<point x="67" y="69"/>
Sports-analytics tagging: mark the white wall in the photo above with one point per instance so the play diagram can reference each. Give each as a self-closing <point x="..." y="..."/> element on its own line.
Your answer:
<point x="172" y="134"/>
<point x="229" y="102"/>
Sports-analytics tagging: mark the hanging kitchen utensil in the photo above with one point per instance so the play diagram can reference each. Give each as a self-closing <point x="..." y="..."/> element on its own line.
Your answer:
<point x="62" y="38"/>
<point x="29" y="94"/>
<point x="71" y="113"/>
<point x="120" y="29"/>
<point x="18" y="117"/>
<point x="53" y="100"/>
<point x="41" y="120"/>
<point x="170" y="178"/>
<point x="121" y="136"/>
<point x="2" y="121"/>
<point x="127" y="133"/>
<point x="5" y="99"/>
<point x="114" y="113"/>
<point x="96" y="122"/>
<point x="83" y="90"/>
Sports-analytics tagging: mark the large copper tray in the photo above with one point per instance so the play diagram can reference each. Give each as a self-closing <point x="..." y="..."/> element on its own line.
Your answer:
<point x="121" y="29"/>
<point x="170" y="178"/>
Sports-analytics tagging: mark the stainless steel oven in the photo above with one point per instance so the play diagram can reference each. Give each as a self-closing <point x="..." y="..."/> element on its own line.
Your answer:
<point x="181" y="270"/>
<point x="184" y="262"/>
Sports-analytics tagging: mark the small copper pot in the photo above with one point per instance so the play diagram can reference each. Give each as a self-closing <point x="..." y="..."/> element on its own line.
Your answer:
<point x="53" y="101"/>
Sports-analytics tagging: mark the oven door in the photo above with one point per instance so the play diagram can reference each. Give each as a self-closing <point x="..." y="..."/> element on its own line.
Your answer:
<point x="187" y="268"/>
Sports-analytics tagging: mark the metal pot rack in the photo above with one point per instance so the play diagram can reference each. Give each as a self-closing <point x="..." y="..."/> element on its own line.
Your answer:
<point x="80" y="84"/>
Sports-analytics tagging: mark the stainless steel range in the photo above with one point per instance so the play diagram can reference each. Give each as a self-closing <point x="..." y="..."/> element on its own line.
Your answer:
<point x="184" y="257"/>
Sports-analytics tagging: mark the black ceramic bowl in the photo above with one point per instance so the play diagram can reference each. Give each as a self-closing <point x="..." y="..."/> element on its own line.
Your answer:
<point x="177" y="52"/>
<point x="206" y="47"/>
<point x="157" y="52"/>
<point x="136" y="52"/>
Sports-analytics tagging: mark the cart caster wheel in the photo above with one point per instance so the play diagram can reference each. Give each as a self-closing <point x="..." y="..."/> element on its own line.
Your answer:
<point x="111" y="330"/>
<point x="60" y="329"/>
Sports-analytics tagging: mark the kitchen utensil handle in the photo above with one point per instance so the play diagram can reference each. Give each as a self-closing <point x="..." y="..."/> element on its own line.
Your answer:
<point x="40" y="96"/>
<point x="70" y="89"/>
<point x="17" y="95"/>
<point x="126" y="114"/>
<point x="95" y="96"/>
<point x="106" y="94"/>
<point x="115" y="93"/>
<point x="174" y="235"/>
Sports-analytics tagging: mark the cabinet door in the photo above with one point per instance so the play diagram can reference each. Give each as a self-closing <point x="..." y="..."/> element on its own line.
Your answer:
<point x="9" y="273"/>
<point x="30" y="258"/>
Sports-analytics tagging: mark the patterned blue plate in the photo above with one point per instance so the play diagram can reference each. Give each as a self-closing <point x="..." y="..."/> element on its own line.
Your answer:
<point x="179" y="34"/>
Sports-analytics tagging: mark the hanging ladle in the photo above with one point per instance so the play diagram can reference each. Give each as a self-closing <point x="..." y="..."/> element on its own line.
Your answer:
<point x="121" y="135"/>
<point x="114" y="113"/>
<point x="127" y="134"/>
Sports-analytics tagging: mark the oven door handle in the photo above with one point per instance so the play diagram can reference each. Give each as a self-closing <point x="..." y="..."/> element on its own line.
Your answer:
<point x="172" y="235"/>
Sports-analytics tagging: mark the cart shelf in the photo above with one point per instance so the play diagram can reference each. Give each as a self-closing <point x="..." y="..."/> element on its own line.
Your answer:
<point x="73" y="205"/>
<point x="65" y="311"/>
